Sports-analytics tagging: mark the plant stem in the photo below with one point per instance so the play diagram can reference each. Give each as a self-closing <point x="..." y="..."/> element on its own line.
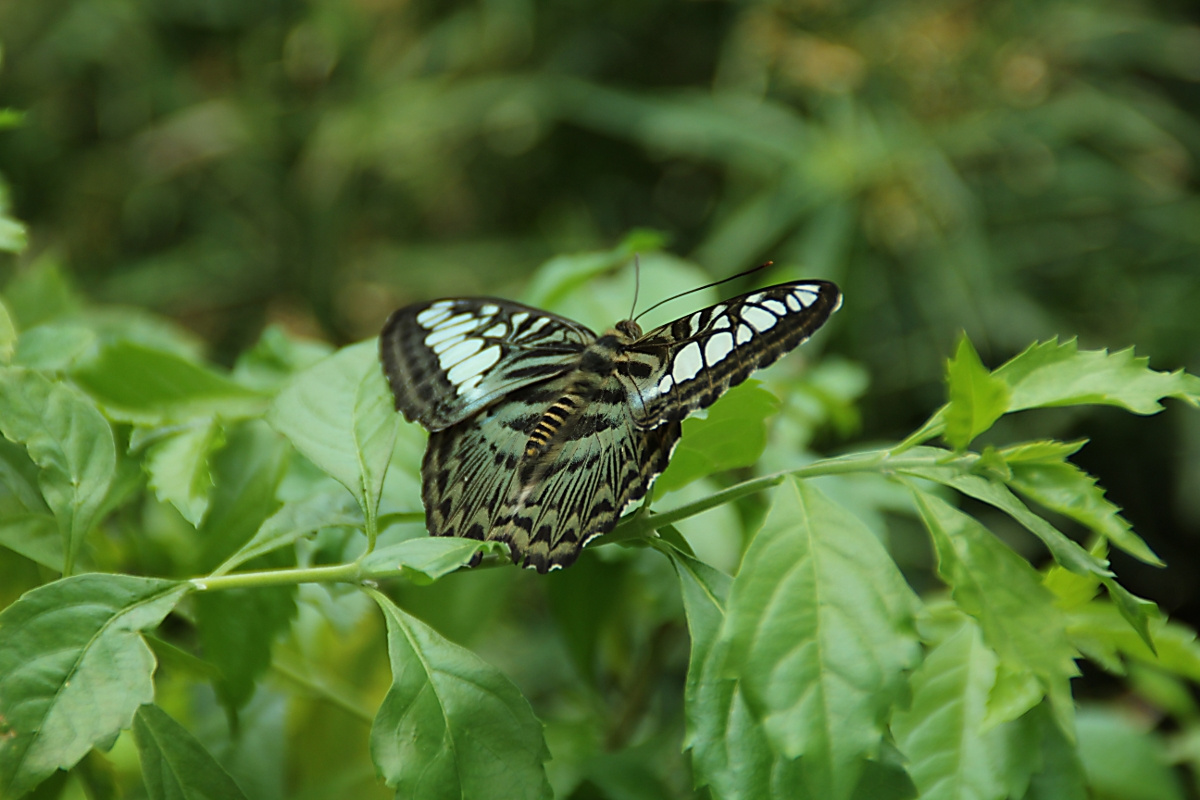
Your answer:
<point x="640" y="525"/>
<point x="338" y="573"/>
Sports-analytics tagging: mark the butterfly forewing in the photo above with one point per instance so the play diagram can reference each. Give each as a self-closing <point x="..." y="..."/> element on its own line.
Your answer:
<point x="542" y="433"/>
<point x="450" y="359"/>
<point x="689" y="363"/>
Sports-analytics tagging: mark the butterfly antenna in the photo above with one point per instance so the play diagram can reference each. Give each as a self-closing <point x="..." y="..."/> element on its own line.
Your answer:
<point x="637" y="283"/>
<point x="702" y="288"/>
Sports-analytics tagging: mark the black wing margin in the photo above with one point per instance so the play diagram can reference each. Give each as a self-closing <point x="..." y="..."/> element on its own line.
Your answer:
<point x="687" y="364"/>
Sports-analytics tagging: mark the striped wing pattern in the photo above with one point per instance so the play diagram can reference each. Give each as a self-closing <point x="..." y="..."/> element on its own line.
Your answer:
<point x="542" y="432"/>
<point x="450" y="359"/>
<point x="480" y="484"/>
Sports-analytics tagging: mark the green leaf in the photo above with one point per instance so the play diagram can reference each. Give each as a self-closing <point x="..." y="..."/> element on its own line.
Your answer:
<point x="733" y="434"/>
<point x="1061" y="775"/>
<point x="950" y="755"/>
<point x="175" y="766"/>
<point x="40" y="292"/>
<point x="1015" y="611"/>
<point x="451" y="725"/>
<point x="178" y="466"/>
<point x="705" y="591"/>
<point x="275" y="358"/>
<point x="956" y="475"/>
<point x="34" y="536"/>
<point x="819" y="631"/>
<point x="1068" y="490"/>
<point x="8" y="336"/>
<point x="426" y="558"/>
<point x="1102" y="626"/>
<point x="73" y="670"/>
<point x="340" y="414"/>
<point x="564" y="275"/>
<point x="13" y="236"/>
<point x="977" y="398"/>
<point x="1123" y="759"/>
<point x="238" y="627"/>
<point x="54" y="346"/>
<point x="65" y="436"/>
<point x="295" y="520"/>
<point x="730" y="751"/>
<point x="136" y="383"/>
<point x="1054" y="374"/>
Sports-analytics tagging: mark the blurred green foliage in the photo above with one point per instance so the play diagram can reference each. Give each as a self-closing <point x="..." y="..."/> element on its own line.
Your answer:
<point x="1019" y="170"/>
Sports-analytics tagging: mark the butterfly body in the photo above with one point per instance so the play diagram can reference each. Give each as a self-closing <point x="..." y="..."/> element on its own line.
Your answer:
<point x="542" y="432"/>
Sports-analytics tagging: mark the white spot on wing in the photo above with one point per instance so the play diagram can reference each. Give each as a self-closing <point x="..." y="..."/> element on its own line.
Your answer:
<point x="665" y="384"/>
<point x="538" y="324"/>
<point x="758" y="319"/>
<point x="469" y="384"/>
<point x="744" y="334"/>
<point x="446" y="344"/>
<point x="794" y="304"/>
<point x="432" y="316"/>
<point x="688" y="363"/>
<point x="694" y="323"/>
<point x="464" y="349"/>
<point x="518" y="319"/>
<point x="717" y="347"/>
<point x="489" y="309"/>
<point x="721" y="324"/>
<point x="776" y="306"/>
<point x="807" y="296"/>
<point x="467" y="374"/>
<point x="497" y="331"/>
<point x="450" y="328"/>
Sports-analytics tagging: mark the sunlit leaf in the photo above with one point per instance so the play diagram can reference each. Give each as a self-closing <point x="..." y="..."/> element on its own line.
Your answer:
<point x="424" y="559"/>
<point x="819" y="631"/>
<point x="178" y="466"/>
<point x="340" y="415"/>
<point x="54" y="346"/>
<point x="73" y="670"/>
<point x="1059" y="374"/>
<point x="951" y="756"/>
<point x="977" y="398"/>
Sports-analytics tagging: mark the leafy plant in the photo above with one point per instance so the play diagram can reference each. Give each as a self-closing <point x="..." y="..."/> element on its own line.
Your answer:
<point x="229" y="543"/>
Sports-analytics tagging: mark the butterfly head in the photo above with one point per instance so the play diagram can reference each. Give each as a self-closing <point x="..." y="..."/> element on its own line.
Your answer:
<point x="630" y="329"/>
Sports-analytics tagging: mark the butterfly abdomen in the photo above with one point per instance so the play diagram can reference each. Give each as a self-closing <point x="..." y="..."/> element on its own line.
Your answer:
<point x="559" y="422"/>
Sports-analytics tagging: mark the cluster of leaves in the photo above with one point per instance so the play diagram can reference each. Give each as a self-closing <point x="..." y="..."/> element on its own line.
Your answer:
<point x="225" y="537"/>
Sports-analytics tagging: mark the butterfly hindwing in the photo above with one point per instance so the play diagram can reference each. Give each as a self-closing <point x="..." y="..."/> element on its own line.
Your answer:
<point x="689" y="363"/>
<point x="448" y="359"/>
<point x="479" y="483"/>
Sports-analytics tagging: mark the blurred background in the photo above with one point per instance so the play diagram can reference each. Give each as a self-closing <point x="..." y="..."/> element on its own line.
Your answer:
<point x="1018" y="170"/>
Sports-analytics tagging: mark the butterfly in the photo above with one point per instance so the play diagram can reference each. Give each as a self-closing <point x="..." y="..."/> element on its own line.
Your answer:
<point x="542" y="432"/>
